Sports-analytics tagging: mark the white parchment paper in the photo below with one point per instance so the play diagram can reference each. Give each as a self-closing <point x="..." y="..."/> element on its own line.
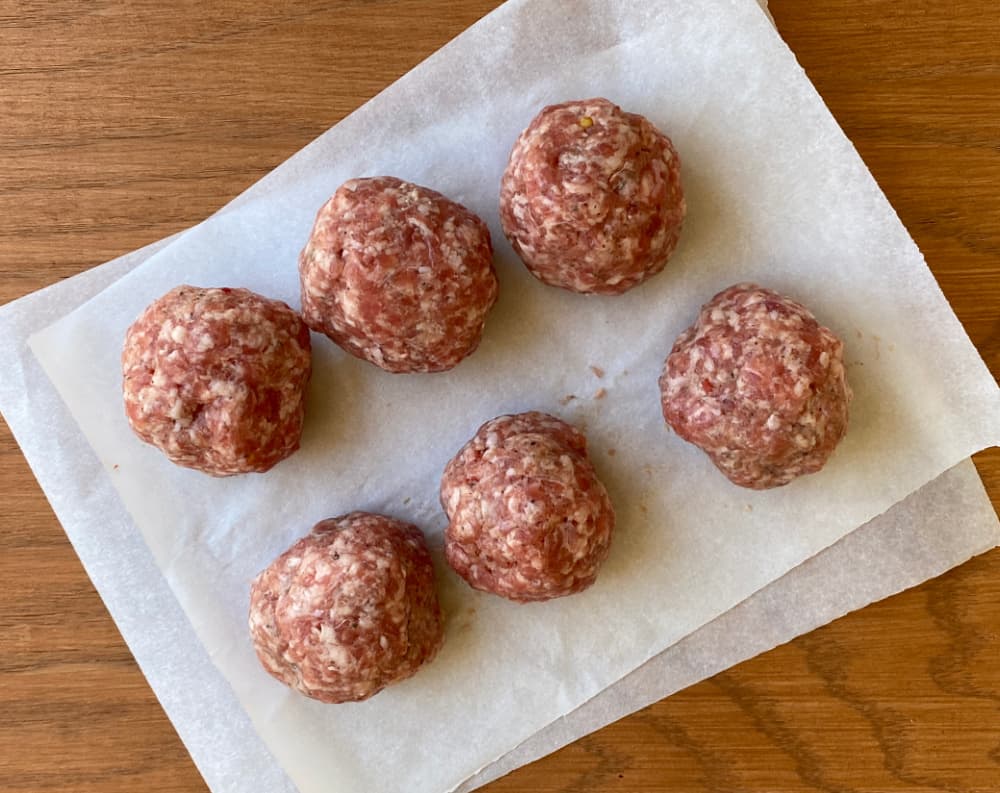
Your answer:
<point x="659" y="550"/>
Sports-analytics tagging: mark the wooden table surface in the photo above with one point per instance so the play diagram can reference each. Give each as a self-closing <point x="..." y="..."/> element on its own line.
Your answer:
<point x="122" y="122"/>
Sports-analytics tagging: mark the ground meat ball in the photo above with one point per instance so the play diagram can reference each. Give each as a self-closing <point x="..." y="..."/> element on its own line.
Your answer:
<point x="398" y="275"/>
<point x="591" y="199"/>
<point x="528" y="517"/>
<point x="216" y="379"/>
<point x="759" y="385"/>
<point x="347" y="610"/>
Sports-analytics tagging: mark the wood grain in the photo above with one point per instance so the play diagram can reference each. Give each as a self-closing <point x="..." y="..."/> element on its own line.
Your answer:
<point x="123" y="122"/>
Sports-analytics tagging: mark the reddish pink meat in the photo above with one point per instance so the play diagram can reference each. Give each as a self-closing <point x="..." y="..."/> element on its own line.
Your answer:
<point x="347" y="610"/>
<point x="398" y="275"/>
<point x="528" y="517"/>
<point x="759" y="385"/>
<point x="216" y="379"/>
<point x="591" y="199"/>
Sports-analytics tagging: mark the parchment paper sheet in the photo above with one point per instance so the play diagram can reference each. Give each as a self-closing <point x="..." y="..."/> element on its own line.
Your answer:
<point x="630" y="399"/>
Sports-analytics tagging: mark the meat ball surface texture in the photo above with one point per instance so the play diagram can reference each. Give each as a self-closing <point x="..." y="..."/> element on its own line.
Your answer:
<point x="347" y="610"/>
<point x="528" y="517"/>
<point x="591" y="199"/>
<point x="759" y="385"/>
<point x="398" y="275"/>
<point x="216" y="379"/>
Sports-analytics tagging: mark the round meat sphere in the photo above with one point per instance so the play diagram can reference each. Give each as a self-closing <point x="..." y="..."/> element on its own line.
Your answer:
<point x="759" y="385"/>
<point x="398" y="275"/>
<point x="591" y="199"/>
<point x="216" y="379"/>
<point x="528" y="517"/>
<point x="347" y="610"/>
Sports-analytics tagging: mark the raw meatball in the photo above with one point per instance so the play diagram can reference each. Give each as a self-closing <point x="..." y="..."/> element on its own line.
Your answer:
<point x="398" y="275"/>
<point x="758" y="384"/>
<point x="591" y="199"/>
<point x="347" y="610"/>
<point x="528" y="517"/>
<point x="216" y="379"/>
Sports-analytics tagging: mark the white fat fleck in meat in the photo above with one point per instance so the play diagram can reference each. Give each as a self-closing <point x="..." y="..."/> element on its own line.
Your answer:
<point x="759" y="385"/>
<point x="205" y="342"/>
<point x="528" y="517"/>
<point x="176" y="409"/>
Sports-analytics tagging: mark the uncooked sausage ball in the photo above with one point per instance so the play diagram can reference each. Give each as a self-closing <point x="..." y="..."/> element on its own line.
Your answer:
<point x="216" y="379"/>
<point x="591" y="199"/>
<point x="528" y="517"/>
<point x="347" y="610"/>
<point x="398" y="275"/>
<point x="759" y="385"/>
